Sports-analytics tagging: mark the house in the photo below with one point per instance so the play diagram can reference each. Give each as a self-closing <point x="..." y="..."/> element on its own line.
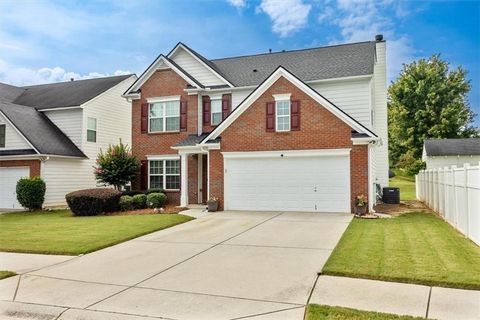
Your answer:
<point x="439" y="153"/>
<point x="56" y="131"/>
<point x="301" y="130"/>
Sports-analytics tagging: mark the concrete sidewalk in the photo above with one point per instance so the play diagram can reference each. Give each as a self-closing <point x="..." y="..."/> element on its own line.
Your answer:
<point x="27" y="262"/>
<point x="397" y="298"/>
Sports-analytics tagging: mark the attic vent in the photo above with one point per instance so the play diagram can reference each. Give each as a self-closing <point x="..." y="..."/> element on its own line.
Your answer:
<point x="71" y="79"/>
<point x="255" y="70"/>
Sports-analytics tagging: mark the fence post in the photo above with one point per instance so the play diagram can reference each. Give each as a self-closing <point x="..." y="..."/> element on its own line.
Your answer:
<point x="455" y="211"/>
<point x="467" y="211"/>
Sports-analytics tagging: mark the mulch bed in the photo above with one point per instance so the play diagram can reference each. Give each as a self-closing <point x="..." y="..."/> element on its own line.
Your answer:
<point x="403" y="207"/>
<point x="168" y="209"/>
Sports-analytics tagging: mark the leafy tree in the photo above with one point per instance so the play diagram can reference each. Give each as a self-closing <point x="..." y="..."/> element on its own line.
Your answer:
<point x="428" y="100"/>
<point x="117" y="166"/>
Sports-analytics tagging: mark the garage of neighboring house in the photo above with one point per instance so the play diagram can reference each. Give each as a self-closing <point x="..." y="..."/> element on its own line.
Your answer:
<point x="9" y="177"/>
<point x="301" y="180"/>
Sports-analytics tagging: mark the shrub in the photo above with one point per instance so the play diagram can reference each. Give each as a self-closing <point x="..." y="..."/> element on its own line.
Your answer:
<point x="90" y="202"/>
<point x="31" y="192"/>
<point x="156" y="200"/>
<point x="154" y="190"/>
<point x="126" y="203"/>
<point x="139" y="201"/>
<point x="131" y="193"/>
<point x="415" y="167"/>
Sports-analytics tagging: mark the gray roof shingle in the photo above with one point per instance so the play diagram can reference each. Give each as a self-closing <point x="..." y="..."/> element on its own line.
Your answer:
<point x="452" y="147"/>
<point x="39" y="130"/>
<point x="338" y="61"/>
<point x="66" y="94"/>
<point x="9" y="92"/>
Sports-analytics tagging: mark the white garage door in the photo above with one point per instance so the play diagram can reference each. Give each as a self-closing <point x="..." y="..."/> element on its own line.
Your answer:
<point x="8" y="184"/>
<point x="288" y="181"/>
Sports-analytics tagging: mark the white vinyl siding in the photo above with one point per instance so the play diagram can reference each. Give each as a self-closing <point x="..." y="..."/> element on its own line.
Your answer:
<point x="352" y="96"/>
<point x="448" y="161"/>
<point x="196" y="69"/>
<point x="70" y="121"/>
<point x="238" y="96"/>
<point x="13" y="140"/>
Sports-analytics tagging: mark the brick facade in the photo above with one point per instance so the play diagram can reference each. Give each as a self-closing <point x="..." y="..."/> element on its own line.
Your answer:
<point x="319" y="129"/>
<point x="34" y="165"/>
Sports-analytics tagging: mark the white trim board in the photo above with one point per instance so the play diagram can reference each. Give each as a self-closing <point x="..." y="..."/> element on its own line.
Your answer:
<point x="287" y="153"/>
<point x="277" y="74"/>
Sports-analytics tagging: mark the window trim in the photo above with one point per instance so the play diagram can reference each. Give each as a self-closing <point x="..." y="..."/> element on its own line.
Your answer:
<point x="4" y="126"/>
<point x="164" y="174"/>
<point x="153" y="101"/>
<point x="289" y="116"/>
<point x="95" y="130"/>
<point x="211" y="110"/>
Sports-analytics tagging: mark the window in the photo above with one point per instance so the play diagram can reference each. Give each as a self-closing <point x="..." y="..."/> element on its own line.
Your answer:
<point x="164" y="174"/>
<point x="164" y="116"/>
<point x="216" y="107"/>
<point x="91" y="129"/>
<point x="283" y="115"/>
<point x="2" y="135"/>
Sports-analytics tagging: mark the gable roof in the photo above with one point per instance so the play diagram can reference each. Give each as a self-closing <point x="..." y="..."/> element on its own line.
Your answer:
<point x="9" y="92"/>
<point x="44" y="137"/>
<point x="452" y="147"/>
<point x="276" y="74"/>
<point x="65" y="94"/>
<point x="346" y="60"/>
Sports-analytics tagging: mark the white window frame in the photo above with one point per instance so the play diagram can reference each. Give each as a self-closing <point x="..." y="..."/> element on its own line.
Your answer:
<point x="211" y="110"/>
<point x="90" y="129"/>
<point x="164" y="174"/>
<point x="152" y="101"/>
<point x="288" y="116"/>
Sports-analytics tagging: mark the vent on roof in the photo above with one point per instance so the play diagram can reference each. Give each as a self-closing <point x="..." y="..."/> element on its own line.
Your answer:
<point x="255" y="70"/>
<point x="269" y="50"/>
<point x="379" y="37"/>
<point x="71" y="79"/>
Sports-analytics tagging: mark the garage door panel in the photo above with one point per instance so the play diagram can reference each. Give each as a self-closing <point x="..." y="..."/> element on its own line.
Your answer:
<point x="289" y="184"/>
<point x="9" y="178"/>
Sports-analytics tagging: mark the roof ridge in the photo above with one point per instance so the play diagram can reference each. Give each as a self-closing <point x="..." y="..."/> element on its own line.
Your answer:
<point x="294" y="50"/>
<point x="81" y="80"/>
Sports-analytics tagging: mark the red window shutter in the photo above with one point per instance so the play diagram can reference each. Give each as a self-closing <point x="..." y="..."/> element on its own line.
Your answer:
<point x="206" y="110"/>
<point x="295" y="115"/>
<point x="144" y="174"/>
<point x="270" y="116"/>
<point x="144" y="118"/>
<point x="183" y="116"/>
<point x="226" y="105"/>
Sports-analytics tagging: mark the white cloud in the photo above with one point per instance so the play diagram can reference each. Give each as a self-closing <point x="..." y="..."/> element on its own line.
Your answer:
<point x="21" y="76"/>
<point x="361" y="20"/>
<point x="288" y="16"/>
<point x="239" y="4"/>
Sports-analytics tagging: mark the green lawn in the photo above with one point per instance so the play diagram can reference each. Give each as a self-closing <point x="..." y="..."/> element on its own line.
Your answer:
<point x="414" y="248"/>
<point x="58" y="232"/>
<point x="6" y="274"/>
<point x="320" y="312"/>
<point x="406" y="185"/>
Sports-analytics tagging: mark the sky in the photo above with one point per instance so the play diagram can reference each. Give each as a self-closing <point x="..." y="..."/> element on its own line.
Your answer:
<point x="43" y="41"/>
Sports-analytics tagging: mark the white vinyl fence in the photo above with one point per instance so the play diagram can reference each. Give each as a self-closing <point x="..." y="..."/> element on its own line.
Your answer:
<point x="455" y="194"/>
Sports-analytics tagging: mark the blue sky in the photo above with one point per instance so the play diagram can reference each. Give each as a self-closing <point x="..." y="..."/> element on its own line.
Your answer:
<point x="47" y="41"/>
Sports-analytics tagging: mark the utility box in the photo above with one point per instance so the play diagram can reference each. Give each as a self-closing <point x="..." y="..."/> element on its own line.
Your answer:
<point x="391" y="195"/>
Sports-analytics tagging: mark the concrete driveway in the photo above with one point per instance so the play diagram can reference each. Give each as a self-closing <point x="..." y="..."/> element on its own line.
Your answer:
<point x="228" y="265"/>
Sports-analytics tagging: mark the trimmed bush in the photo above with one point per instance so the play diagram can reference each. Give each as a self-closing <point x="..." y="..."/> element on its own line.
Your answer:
<point x="91" y="202"/>
<point x="31" y="192"/>
<point x="131" y="193"/>
<point x="156" y="200"/>
<point x="139" y="201"/>
<point x="126" y="203"/>
<point x="154" y="190"/>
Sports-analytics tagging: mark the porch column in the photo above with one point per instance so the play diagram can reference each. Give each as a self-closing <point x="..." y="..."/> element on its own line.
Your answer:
<point x="183" y="180"/>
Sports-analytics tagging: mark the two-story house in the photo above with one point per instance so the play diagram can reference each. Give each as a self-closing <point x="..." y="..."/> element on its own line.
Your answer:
<point x="302" y="130"/>
<point x="56" y="131"/>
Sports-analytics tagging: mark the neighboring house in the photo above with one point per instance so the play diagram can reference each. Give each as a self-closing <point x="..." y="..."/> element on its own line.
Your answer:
<point x="56" y="131"/>
<point x="302" y="130"/>
<point x="440" y="153"/>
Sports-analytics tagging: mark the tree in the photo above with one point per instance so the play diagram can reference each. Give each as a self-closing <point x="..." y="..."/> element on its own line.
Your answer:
<point x="117" y="166"/>
<point x="428" y="100"/>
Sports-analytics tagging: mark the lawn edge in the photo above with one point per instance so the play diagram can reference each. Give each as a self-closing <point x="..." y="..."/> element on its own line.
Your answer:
<point x="347" y="309"/>
<point x="7" y="274"/>
<point x="73" y="254"/>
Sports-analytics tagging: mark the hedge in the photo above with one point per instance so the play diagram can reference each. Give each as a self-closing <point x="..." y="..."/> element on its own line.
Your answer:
<point x="90" y="202"/>
<point x="156" y="200"/>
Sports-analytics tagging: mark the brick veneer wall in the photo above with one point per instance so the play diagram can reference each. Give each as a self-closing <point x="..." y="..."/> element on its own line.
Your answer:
<point x="33" y="164"/>
<point x="319" y="129"/>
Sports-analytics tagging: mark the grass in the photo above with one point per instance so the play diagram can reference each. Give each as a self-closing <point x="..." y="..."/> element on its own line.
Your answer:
<point x="320" y="312"/>
<point x="413" y="248"/>
<point x="58" y="232"/>
<point x="405" y="183"/>
<point x="6" y="274"/>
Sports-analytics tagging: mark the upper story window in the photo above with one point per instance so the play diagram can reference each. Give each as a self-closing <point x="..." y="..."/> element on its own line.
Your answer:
<point x="282" y="111"/>
<point x="3" y="128"/>
<point x="164" y="116"/>
<point x="91" y="129"/>
<point x="216" y="110"/>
